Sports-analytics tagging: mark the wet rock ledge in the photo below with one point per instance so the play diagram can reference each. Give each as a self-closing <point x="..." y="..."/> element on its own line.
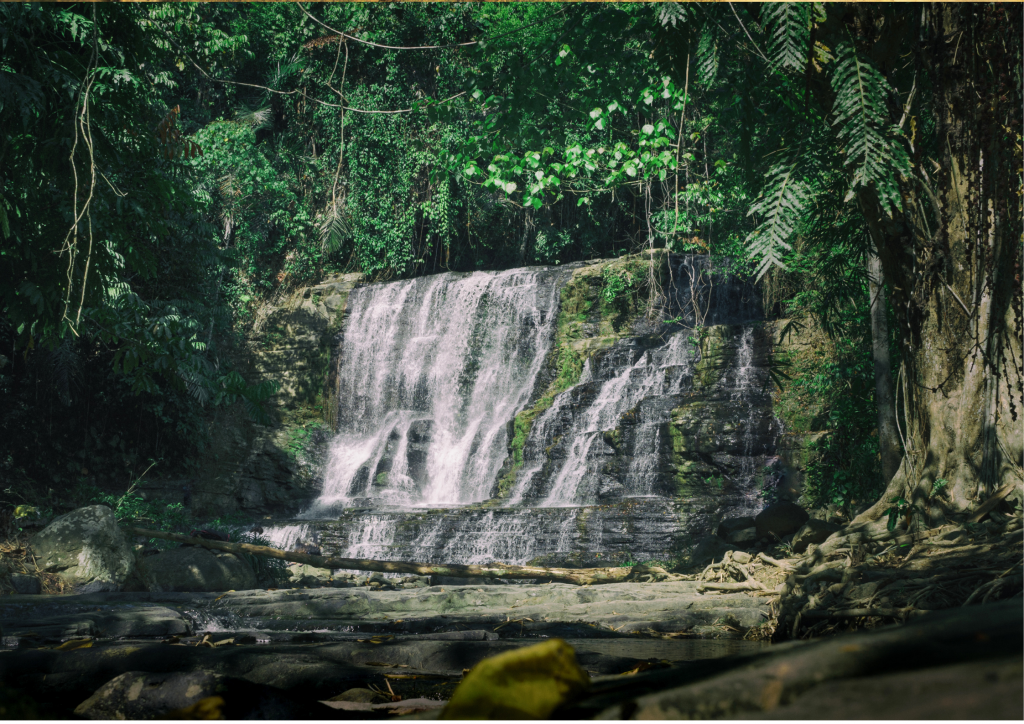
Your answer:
<point x="551" y="609"/>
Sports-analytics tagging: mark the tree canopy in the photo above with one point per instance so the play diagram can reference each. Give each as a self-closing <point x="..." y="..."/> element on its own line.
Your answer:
<point x="167" y="168"/>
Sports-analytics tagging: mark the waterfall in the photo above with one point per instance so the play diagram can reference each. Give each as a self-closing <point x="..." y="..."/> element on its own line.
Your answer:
<point x="432" y="370"/>
<point x="618" y="388"/>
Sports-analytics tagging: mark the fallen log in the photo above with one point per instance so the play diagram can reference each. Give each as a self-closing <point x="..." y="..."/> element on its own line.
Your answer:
<point x="742" y="586"/>
<point x="578" y="576"/>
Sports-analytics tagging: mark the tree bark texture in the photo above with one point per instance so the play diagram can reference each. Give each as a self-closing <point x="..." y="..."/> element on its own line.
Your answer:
<point x="888" y="432"/>
<point x="952" y="259"/>
<point x="578" y="576"/>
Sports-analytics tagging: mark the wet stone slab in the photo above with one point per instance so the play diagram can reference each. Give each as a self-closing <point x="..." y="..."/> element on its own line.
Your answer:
<point x="509" y="610"/>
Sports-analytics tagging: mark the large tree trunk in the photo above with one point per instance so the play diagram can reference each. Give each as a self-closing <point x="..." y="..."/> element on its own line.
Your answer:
<point x="888" y="432"/>
<point x="952" y="262"/>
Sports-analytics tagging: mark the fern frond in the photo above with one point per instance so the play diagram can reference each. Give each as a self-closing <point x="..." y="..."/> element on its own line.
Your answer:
<point x="673" y="12"/>
<point x="5" y="225"/>
<point x="707" y="56"/>
<point x="228" y="186"/>
<point x="784" y="204"/>
<point x="789" y="27"/>
<point x="872" y="148"/>
<point x="196" y="385"/>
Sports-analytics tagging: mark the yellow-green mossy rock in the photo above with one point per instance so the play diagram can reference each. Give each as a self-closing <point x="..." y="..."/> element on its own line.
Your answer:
<point x="526" y="683"/>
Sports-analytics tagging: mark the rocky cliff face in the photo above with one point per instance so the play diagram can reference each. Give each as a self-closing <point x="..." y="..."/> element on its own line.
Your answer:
<point x="581" y="415"/>
<point x="276" y="469"/>
<point x="620" y="424"/>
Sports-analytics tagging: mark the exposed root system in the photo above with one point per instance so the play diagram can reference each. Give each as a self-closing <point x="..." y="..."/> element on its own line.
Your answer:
<point x="874" y="583"/>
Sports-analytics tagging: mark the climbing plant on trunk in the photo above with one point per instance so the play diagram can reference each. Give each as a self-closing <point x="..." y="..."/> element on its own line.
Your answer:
<point x="952" y="260"/>
<point x="931" y="152"/>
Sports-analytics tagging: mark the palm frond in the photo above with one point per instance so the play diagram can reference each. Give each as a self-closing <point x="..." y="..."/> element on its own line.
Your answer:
<point x="332" y="223"/>
<point x="255" y="117"/>
<point x="283" y="71"/>
<point x="673" y="12"/>
<point x="872" y="148"/>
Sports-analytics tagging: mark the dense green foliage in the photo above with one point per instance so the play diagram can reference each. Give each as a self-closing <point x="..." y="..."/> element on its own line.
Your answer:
<point x="167" y="168"/>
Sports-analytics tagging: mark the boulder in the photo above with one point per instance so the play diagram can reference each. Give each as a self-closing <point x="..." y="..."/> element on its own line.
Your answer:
<point x="86" y="548"/>
<point x="302" y="575"/>
<point x="732" y="525"/>
<point x="27" y="585"/>
<point x="707" y="549"/>
<point x="813" y="531"/>
<point x="743" y="538"/>
<point x="415" y="581"/>
<point x="780" y="519"/>
<point x="196" y="569"/>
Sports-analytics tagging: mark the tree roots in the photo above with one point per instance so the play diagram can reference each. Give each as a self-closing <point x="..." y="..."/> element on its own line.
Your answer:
<point x="894" y="578"/>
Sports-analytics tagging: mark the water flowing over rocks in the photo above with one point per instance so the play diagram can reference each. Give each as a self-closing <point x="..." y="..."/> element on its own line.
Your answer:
<point x="532" y="416"/>
<point x="430" y="372"/>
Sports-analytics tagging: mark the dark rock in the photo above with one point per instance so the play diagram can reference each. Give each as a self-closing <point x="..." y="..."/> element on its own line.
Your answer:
<point x="813" y="531"/>
<point x="361" y="696"/>
<point x="27" y="585"/>
<point x="196" y="569"/>
<point x="142" y="695"/>
<point x="707" y="549"/>
<point x="609" y="487"/>
<point x="15" y="704"/>
<point x="743" y="538"/>
<point x="780" y="519"/>
<point x="961" y="663"/>
<point x="71" y="618"/>
<point x="731" y="525"/>
<point x="475" y="635"/>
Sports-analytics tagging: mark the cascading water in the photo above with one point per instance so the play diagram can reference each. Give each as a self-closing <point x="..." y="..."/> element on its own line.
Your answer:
<point x="432" y="372"/>
<point x="625" y="385"/>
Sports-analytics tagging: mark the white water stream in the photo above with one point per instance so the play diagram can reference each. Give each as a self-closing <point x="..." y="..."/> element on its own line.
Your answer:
<point x="431" y="372"/>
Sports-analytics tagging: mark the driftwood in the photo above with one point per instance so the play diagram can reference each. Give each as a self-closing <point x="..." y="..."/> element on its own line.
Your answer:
<point x="742" y="586"/>
<point x="578" y="576"/>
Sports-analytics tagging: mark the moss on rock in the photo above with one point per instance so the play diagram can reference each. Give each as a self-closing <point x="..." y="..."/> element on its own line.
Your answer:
<point x="590" y="318"/>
